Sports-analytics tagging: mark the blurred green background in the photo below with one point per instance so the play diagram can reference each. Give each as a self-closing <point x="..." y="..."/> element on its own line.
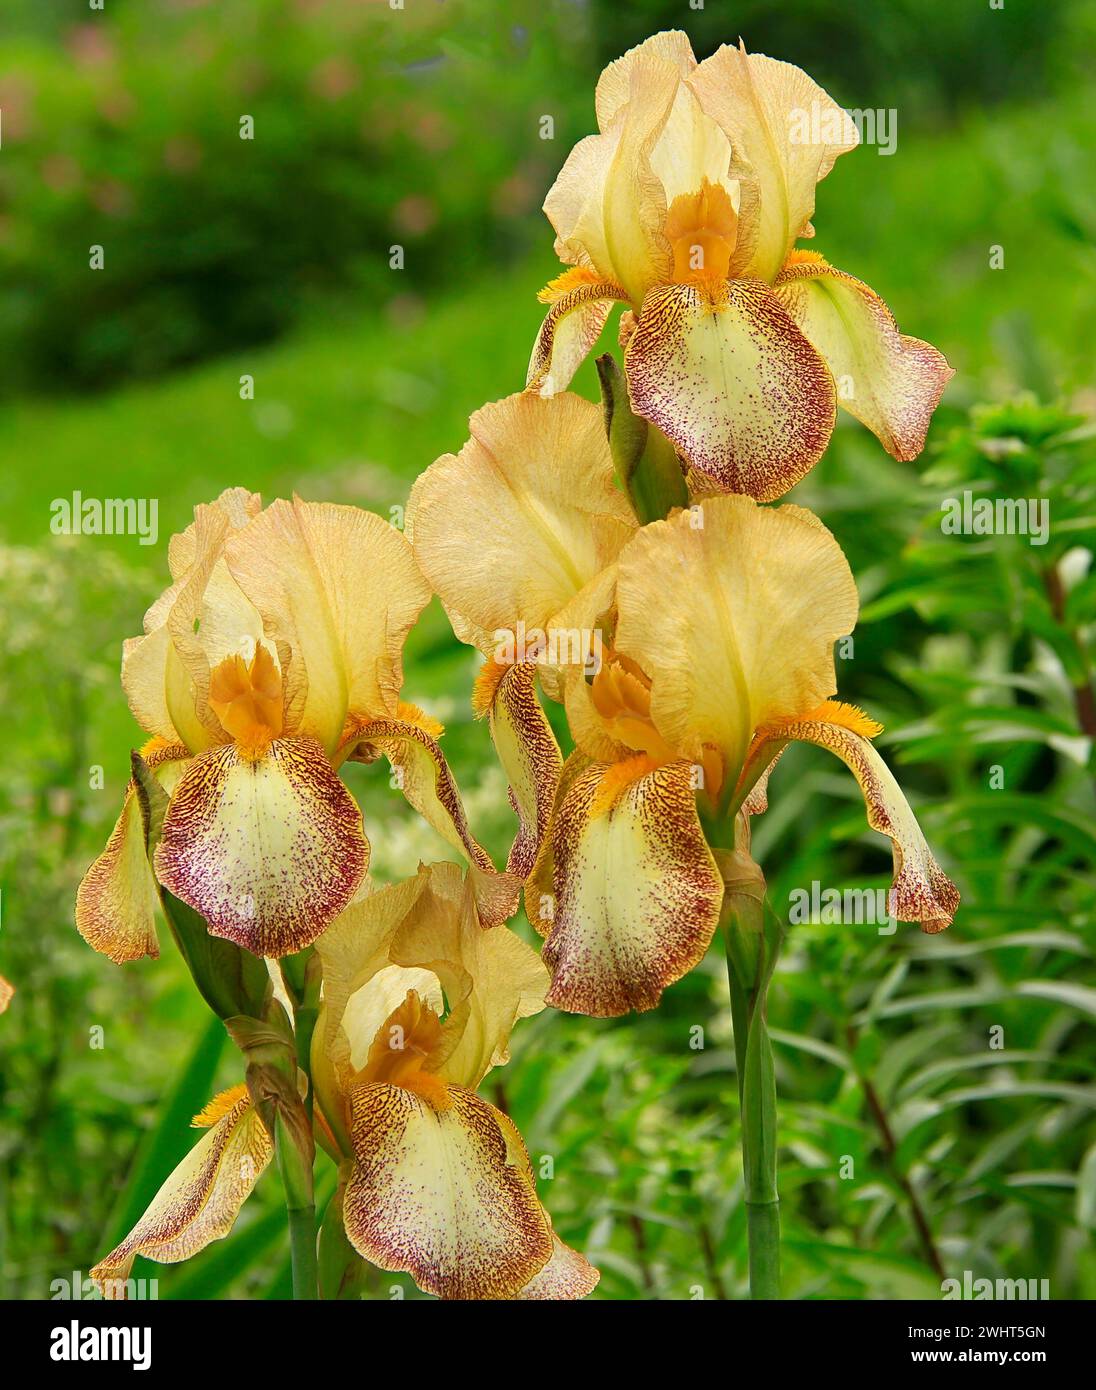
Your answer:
<point x="936" y="1093"/>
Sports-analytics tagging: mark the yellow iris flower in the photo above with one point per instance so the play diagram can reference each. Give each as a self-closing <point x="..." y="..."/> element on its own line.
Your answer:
<point x="713" y="632"/>
<point x="687" y="206"/>
<point x="274" y="656"/>
<point x="419" y="1004"/>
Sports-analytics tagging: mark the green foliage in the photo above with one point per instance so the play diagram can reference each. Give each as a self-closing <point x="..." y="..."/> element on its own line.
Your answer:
<point x="926" y="1085"/>
<point x="124" y="130"/>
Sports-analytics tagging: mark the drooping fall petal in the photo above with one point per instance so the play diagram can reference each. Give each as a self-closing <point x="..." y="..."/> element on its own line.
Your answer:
<point x="921" y="891"/>
<point x="267" y="849"/>
<point x="733" y="383"/>
<point x="732" y="610"/>
<point x="568" y="1275"/>
<point x="524" y="517"/>
<point x="579" y="306"/>
<point x="527" y="749"/>
<point x="891" y="382"/>
<point x="782" y="124"/>
<point x="628" y="894"/>
<point x="117" y="898"/>
<point x="443" y="1194"/>
<point x="201" y="1199"/>
<point x="424" y="778"/>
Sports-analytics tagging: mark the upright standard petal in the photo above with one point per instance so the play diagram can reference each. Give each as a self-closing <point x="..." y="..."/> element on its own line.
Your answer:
<point x="159" y="669"/>
<point x="518" y="523"/>
<point x="608" y="206"/>
<point x="921" y="891"/>
<point x="614" y="86"/>
<point x="117" y="898"/>
<point x="787" y="129"/>
<point x="268" y="850"/>
<point x="732" y="610"/>
<point x="627" y="893"/>
<point x="732" y="381"/>
<point x="892" y="383"/>
<point x="444" y="1194"/>
<point x="201" y="1199"/>
<point x="340" y="587"/>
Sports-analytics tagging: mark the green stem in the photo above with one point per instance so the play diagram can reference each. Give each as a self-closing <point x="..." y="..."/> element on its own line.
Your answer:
<point x="753" y="942"/>
<point x="300" y="1206"/>
<point x="303" y="977"/>
<point x="302" y="1246"/>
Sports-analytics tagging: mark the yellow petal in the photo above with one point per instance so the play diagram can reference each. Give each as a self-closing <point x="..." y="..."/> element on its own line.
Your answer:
<point x="607" y="205"/>
<point x="567" y="1276"/>
<point x="7" y="993"/>
<point x="614" y="86"/>
<point x="524" y="517"/>
<point x="443" y="1195"/>
<point x="356" y="949"/>
<point x="423" y="935"/>
<point x="165" y="673"/>
<point x="733" y="383"/>
<point x="199" y="1202"/>
<point x="571" y="328"/>
<point x="892" y="383"/>
<point x="629" y="898"/>
<point x="117" y="898"/>
<point x="507" y="979"/>
<point x="527" y="750"/>
<point x="787" y="129"/>
<point x="424" y="778"/>
<point x="340" y="587"/>
<point x="732" y="610"/>
<point x="921" y="891"/>
<point x="267" y="850"/>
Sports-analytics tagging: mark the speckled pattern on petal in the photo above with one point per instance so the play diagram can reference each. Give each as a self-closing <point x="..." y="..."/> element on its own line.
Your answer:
<point x="268" y="851"/>
<point x="889" y="381"/>
<point x="921" y="891"/>
<point x="635" y="893"/>
<point x="445" y="1194"/>
<point x="734" y="383"/>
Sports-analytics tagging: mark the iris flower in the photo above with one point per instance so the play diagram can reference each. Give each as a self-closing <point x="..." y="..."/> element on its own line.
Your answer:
<point x="274" y="656"/>
<point x="687" y="207"/>
<point x="419" y="1004"/>
<point x="716" y="633"/>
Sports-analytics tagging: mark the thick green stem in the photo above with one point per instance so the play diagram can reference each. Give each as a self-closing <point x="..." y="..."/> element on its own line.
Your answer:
<point x="296" y="1173"/>
<point x="753" y="941"/>
<point x="302" y="1246"/>
<point x="764" y="1235"/>
<point x="303" y="976"/>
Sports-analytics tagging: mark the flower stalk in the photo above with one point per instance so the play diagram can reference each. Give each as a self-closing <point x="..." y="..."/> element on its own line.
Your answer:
<point x="753" y="935"/>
